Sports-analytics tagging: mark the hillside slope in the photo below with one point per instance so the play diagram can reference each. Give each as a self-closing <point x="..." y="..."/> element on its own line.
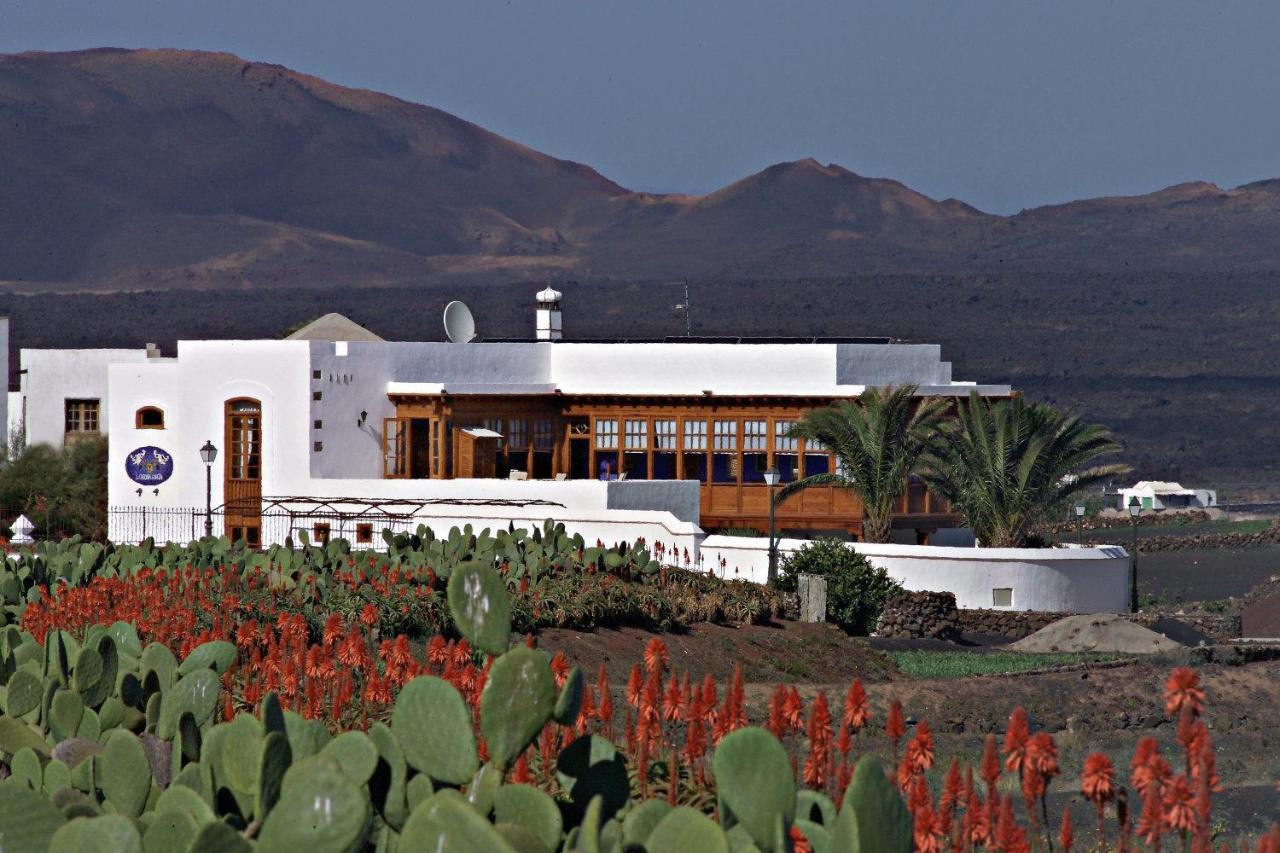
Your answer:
<point x="162" y="168"/>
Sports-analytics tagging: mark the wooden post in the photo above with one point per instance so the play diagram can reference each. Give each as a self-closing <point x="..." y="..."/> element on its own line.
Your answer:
<point x="813" y="598"/>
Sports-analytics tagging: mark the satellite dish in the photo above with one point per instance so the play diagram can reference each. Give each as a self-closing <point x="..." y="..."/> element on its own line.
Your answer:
<point x="459" y="325"/>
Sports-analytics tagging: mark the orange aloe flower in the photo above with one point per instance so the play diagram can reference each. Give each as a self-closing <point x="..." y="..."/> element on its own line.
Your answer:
<point x="1098" y="782"/>
<point x="1066" y="834"/>
<point x="920" y="749"/>
<point x="656" y="656"/>
<point x="1015" y="740"/>
<point x="990" y="764"/>
<point x="1183" y="690"/>
<point x="1179" y="813"/>
<point x="894" y="726"/>
<point x="928" y="832"/>
<point x="857" y="712"/>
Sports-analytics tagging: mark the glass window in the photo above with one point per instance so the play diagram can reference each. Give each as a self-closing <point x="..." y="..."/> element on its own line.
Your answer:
<point x="664" y="465"/>
<point x="695" y="466"/>
<point x="498" y="425"/>
<point x="664" y="435"/>
<point x="724" y="467"/>
<point x="695" y="435"/>
<point x="517" y="434"/>
<point x="149" y="417"/>
<point x="606" y="433"/>
<point x="754" y="466"/>
<point x="544" y="434"/>
<point x="726" y="435"/>
<point x="816" y="463"/>
<point x="607" y="464"/>
<point x="636" y="465"/>
<point x="755" y="435"/>
<point x="786" y="464"/>
<point x="781" y="441"/>
<point x="636" y="434"/>
<point x="82" y="415"/>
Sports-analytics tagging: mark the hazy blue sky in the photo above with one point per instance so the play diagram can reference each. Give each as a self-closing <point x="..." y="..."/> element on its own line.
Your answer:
<point x="1003" y="103"/>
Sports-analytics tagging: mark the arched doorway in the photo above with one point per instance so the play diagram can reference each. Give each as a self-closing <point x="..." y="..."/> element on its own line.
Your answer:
<point x="242" y="474"/>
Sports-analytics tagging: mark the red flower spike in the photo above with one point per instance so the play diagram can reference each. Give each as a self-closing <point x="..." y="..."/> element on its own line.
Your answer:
<point x="1183" y="690"/>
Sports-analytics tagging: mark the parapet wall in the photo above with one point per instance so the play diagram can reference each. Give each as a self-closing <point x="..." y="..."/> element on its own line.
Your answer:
<point x="1059" y="580"/>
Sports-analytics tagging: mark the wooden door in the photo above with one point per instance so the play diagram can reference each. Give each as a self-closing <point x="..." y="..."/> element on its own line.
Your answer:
<point x="395" y="448"/>
<point x="242" y="474"/>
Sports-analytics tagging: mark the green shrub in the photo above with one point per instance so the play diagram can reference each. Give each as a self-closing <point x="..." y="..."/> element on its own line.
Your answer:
<point x="63" y="492"/>
<point x="856" y="590"/>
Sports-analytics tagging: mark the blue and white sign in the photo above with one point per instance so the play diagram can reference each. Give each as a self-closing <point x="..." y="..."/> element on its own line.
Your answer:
<point x="149" y="466"/>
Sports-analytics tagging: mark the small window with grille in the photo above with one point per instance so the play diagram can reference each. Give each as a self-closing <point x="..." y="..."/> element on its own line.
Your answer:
<point x="606" y="433"/>
<point x="636" y="434"/>
<point x="149" y="417"/>
<point x="82" y="416"/>
<point x="695" y="435"/>
<point x="544" y="434"/>
<point x="726" y="435"/>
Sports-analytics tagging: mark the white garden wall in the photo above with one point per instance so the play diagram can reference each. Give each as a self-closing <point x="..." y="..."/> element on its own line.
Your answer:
<point x="1076" y="580"/>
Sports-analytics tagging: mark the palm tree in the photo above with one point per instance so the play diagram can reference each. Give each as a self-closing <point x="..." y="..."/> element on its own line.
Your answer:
<point x="879" y="441"/>
<point x="1009" y="465"/>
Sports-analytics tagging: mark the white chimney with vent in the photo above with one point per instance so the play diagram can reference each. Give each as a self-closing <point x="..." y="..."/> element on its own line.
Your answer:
<point x="549" y="325"/>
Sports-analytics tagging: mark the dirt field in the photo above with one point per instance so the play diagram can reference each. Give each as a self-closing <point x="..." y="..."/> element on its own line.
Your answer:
<point x="1087" y="707"/>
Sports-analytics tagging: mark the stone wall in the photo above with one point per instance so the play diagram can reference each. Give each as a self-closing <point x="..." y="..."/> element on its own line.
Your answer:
<point x="919" y="614"/>
<point x="1215" y="625"/>
<point x="933" y="614"/>
<point x="1011" y="624"/>
<point x="1201" y="541"/>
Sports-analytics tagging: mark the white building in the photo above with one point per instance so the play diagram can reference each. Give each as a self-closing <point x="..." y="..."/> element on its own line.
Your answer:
<point x="339" y="433"/>
<point x="334" y="420"/>
<point x="1159" y="495"/>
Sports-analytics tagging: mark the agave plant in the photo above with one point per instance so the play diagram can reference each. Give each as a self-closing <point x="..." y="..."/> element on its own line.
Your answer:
<point x="879" y="441"/>
<point x="1008" y="465"/>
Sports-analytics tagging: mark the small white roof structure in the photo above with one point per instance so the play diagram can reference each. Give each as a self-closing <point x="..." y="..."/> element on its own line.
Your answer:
<point x="1159" y="487"/>
<point x="333" y="327"/>
<point x="549" y="294"/>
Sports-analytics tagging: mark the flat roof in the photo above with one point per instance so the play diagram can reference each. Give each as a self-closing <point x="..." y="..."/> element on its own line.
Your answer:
<point x="698" y="339"/>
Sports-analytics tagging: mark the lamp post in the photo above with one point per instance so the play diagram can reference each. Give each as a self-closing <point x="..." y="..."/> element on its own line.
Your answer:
<point x="1134" y="509"/>
<point x="208" y="454"/>
<point x="771" y="477"/>
<point x="1080" y="524"/>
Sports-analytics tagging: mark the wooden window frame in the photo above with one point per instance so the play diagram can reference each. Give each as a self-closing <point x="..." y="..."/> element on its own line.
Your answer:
<point x="78" y="412"/>
<point x="140" y="415"/>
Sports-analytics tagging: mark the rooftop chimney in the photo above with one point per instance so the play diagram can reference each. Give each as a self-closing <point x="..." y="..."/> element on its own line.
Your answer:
<point x="153" y="351"/>
<point x="549" y="325"/>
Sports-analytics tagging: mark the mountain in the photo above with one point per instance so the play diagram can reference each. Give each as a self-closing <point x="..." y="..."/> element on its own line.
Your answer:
<point x="154" y="169"/>
<point x="173" y="168"/>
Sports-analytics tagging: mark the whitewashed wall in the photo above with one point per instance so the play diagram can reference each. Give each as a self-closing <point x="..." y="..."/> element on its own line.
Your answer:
<point x="52" y="376"/>
<point x="1077" y="580"/>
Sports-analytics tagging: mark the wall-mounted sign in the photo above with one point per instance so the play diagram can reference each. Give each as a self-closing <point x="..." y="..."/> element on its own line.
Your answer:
<point x="149" y="466"/>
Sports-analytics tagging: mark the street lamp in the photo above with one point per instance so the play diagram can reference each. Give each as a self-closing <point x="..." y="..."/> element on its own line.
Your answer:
<point x="208" y="454"/>
<point x="1134" y="509"/>
<point x="771" y="477"/>
<point x="1079" y="524"/>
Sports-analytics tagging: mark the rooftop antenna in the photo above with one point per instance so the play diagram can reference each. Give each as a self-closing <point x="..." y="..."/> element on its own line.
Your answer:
<point x="459" y="325"/>
<point x="684" y="306"/>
